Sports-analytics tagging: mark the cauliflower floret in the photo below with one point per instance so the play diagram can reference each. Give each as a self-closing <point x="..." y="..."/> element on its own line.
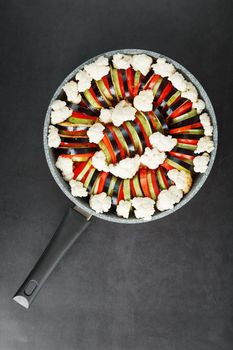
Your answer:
<point x="84" y="80"/>
<point x="77" y="189"/>
<point x="106" y="115"/>
<point x="144" y="101"/>
<point x="199" y="105"/>
<point x="178" y="81"/>
<point x="152" y="158"/>
<point x="162" y="142"/>
<point x="122" y="112"/>
<point x="182" y="179"/>
<point x="66" y="167"/>
<point x="205" y="144"/>
<point x="54" y="139"/>
<point x="142" y="63"/>
<point x="201" y="163"/>
<point x="58" y="104"/>
<point x="163" y="68"/>
<point x="98" y="69"/>
<point x="177" y="194"/>
<point x="99" y="161"/>
<point x="144" y="207"/>
<point x="102" y="61"/>
<point x="121" y="61"/>
<point x="205" y="121"/>
<point x="123" y="209"/>
<point x="191" y="92"/>
<point x="71" y="90"/>
<point x="126" y="168"/>
<point x="95" y="132"/>
<point x="167" y="198"/>
<point x="101" y="203"/>
<point x="60" y="112"/>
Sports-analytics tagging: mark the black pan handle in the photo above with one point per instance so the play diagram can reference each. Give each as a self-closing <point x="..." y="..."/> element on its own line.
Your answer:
<point x="71" y="227"/>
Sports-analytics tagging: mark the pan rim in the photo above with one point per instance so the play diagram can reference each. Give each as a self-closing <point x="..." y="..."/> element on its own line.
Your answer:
<point x="201" y="178"/>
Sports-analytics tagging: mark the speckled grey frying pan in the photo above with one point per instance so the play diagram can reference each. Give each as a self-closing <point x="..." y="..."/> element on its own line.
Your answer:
<point x="77" y="219"/>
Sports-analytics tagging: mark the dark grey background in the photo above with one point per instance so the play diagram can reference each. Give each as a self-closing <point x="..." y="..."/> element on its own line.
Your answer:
<point x="166" y="285"/>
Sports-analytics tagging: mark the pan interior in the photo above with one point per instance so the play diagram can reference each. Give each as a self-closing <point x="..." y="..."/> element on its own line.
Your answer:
<point x="83" y="203"/>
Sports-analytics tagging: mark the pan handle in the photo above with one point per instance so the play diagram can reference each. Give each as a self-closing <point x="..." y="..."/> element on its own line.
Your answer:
<point x="71" y="227"/>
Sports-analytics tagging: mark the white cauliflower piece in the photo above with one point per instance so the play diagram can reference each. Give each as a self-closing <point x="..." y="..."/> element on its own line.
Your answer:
<point x="122" y="112"/>
<point x="182" y="179"/>
<point x="66" y="167"/>
<point x="201" y="163"/>
<point x="177" y="194"/>
<point x="191" y="92"/>
<point x="144" y="101"/>
<point x="101" y="203"/>
<point x="71" y="90"/>
<point x="206" y="123"/>
<point x="84" y="80"/>
<point x="54" y="139"/>
<point x="98" y="69"/>
<point x="60" y="112"/>
<point x="126" y="168"/>
<point x="99" y="161"/>
<point x="178" y="81"/>
<point x="162" y="142"/>
<point x="106" y="115"/>
<point x="163" y="68"/>
<point x="142" y="63"/>
<point x="95" y="132"/>
<point x="167" y="198"/>
<point x="77" y="189"/>
<point x="199" y="105"/>
<point x="205" y="144"/>
<point x="144" y="207"/>
<point x="152" y="158"/>
<point x="121" y="61"/>
<point x="58" y="104"/>
<point x="123" y="209"/>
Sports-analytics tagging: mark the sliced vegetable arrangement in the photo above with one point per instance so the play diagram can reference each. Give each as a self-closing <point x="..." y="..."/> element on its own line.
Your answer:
<point x="130" y="133"/>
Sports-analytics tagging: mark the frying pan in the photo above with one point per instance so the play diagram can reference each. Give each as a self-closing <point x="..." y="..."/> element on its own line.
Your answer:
<point x="78" y="218"/>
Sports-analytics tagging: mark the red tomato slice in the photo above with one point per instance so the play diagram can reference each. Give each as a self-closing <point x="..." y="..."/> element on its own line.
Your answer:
<point x="144" y="183"/>
<point x="132" y="188"/>
<point x="78" y="168"/>
<point x="164" y="177"/>
<point x="188" y="141"/>
<point x="121" y="84"/>
<point x="154" y="182"/>
<point x="167" y="166"/>
<point x="185" y="107"/>
<point x="181" y="155"/>
<point x="120" y="193"/>
<point x="121" y="149"/>
<point x="151" y="116"/>
<point x="86" y="175"/>
<point x="83" y="115"/>
<point x="110" y="148"/>
<point x="102" y="179"/>
<point x="94" y="96"/>
<point x="130" y="80"/>
<point x="151" y="83"/>
<point x="164" y="93"/>
<point x="83" y="156"/>
<point x="184" y="128"/>
<point x="106" y="83"/>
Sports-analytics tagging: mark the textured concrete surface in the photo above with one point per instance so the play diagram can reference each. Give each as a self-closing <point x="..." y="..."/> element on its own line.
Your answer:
<point x="166" y="285"/>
